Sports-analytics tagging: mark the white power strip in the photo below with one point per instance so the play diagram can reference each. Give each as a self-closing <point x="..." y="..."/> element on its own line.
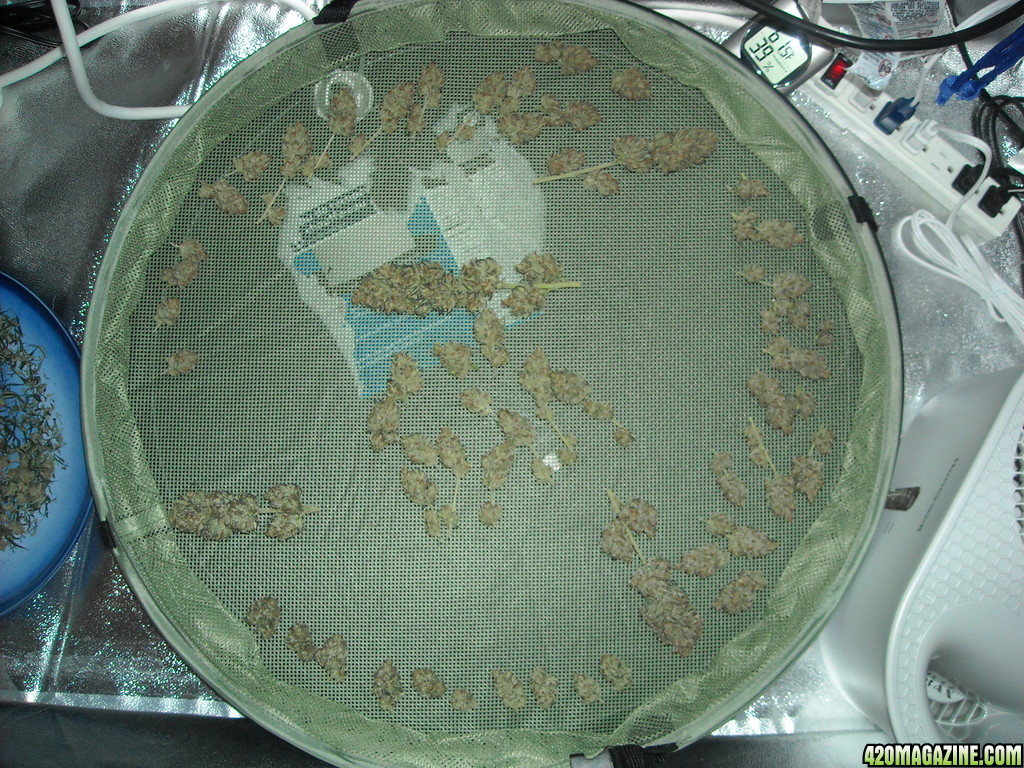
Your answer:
<point x="915" y="151"/>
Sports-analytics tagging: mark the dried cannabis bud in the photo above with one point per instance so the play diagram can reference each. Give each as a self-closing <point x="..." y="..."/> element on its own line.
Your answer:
<point x="779" y="492"/>
<point x="452" y="453"/>
<point x="587" y="688"/>
<point x="430" y="81"/>
<point x="599" y="411"/>
<point x="674" y="622"/>
<point x="652" y="577"/>
<point x="418" y="487"/>
<point x="603" y="182"/>
<point x="535" y="376"/>
<point x="394" y="107"/>
<point x="181" y="274"/>
<point x="566" y="161"/>
<point x="497" y="463"/>
<point x="332" y="656"/>
<point x="544" y="687"/>
<point x="575" y="59"/>
<point x="745" y="224"/>
<point x="432" y="523"/>
<point x="616" y="541"/>
<point x="419" y="450"/>
<point x="549" y="53"/>
<point x="300" y="640"/>
<point x="167" y="312"/>
<point x="455" y="357"/>
<point x="523" y="83"/>
<point x="745" y="541"/>
<point x="822" y="440"/>
<point x="634" y="153"/>
<point x="674" y="150"/>
<point x="799" y="315"/>
<point x="524" y="300"/>
<point x="779" y="234"/>
<point x="721" y="463"/>
<point x="509" y="689"/>
<point x="240" y="513"/>
<point x="825" y="336"/>
<point x="554" y="112"/>
<point x="296" y="149"/>
<point x="753" y="273"/>
<point x="616" y="672"/>
<point x="387" y="685"/>
<point x="215" y="515"/>
<point x="406" y="378"/>
<point x="263" y="616"/>
<point x="357" y="145"/>
<point x="427" y="684"/>
<point x="521" y="128"/>
<point x="733" y="489"/>
<point x="476" y="401"/>
<point x="285" y="525"/>
<point x="703" y="561"/>
<point x="181" y="362"/>
<point x="273" y="213"/>
<point x="516" y="428"/>
<point x="581" y="115"/>
<point x="489" y="331"/>
<point x="623" y="437"/>
<point x="569" y="387"/>
<point x="382" y="423"/>
<point x="539" y="268"/>
<point x="252" y="165"/>
<point x="804" y="403"/>
<point x="226" y="197"/>
<point x="490" y="93"/>
<point x="342" y="112"/>
<point x="542" y="471"/>
<point x="631" y="84"/>
<point x="809" y="476"/>
<point x="738" y="594"/>
<point x="748" y="189"/>
<point x="790" y="285"/>
<point x="720" y="524"/>
<point x="490" y="513"/>
<point x="462" y="700"/>
<point x="640" y="516"/>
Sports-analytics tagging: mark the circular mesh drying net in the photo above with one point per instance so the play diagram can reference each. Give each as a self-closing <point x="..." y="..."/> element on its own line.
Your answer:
<point x="315" y="216"/>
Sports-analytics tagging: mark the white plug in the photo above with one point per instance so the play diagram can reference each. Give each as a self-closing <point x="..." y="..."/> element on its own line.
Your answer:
<point x="917" y="136"/>
<point x="916" y="153"/>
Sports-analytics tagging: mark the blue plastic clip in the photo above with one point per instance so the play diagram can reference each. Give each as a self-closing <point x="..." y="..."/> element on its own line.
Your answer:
<point x="967" y="85"/>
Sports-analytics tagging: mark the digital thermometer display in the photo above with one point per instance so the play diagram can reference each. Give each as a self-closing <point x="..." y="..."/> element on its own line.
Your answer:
<point x="778" y="57"/>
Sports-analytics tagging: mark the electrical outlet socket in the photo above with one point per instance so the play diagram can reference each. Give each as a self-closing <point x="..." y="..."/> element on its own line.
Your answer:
<point x="916" y="152"/>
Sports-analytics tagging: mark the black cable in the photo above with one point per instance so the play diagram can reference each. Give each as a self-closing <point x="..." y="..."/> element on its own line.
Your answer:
<point x="785" y="20"/>
<point x="985" y="125"/>
<point x="25" y="19"/>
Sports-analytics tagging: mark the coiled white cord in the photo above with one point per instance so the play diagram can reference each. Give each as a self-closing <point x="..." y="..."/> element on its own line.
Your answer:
<point x="934" y="245"/>
<point x="72" y="43"/>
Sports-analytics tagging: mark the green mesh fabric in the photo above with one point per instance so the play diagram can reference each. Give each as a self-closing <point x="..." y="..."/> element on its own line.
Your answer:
<point x="663" y="328"/>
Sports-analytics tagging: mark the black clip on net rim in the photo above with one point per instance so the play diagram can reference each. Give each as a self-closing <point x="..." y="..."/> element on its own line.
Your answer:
<point x="337" y="11"/>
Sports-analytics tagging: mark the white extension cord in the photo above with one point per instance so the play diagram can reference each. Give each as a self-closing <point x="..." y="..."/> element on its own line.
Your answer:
<point x="933" y="244"/>
<point x="72" y="43"/>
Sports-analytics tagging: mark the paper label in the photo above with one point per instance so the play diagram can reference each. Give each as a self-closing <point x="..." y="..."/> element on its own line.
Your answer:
<point x="913" y="19"/>
<point x="476" y="201"/>
<point x="875" y="68"/>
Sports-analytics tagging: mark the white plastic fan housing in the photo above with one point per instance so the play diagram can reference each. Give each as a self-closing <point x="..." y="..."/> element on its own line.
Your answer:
<point x="935" y="616"/>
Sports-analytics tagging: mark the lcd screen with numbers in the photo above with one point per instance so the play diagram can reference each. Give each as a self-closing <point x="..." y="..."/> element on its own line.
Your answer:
<point x="778" y="57"/>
